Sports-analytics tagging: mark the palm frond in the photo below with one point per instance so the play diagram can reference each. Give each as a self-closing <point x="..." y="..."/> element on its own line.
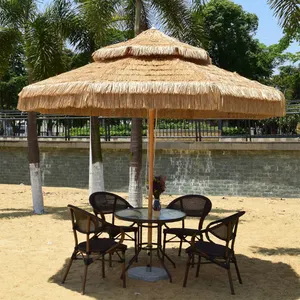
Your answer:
<point x="288" y="13"/>
<point x="9" y="39"/>
<point x="17" y="13"/>
<point x="62" y="13"/>
<point x="98" y="15"/>
<point x="174" y="15"/>
<point x="44" y="54"/>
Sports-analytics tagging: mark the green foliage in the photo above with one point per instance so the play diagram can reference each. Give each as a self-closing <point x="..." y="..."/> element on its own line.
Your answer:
<point x="288" y="13"/>
<point x="172" y="15"/>
<point x="9" y="38"/>
<point x="33" y="47"/>
<point x="283" y="125"/>
<point x="229" y="40"/>
<point x="44" y="53"/>
<point x="9" y="91"/>
<point x="230" y="131"/>
<point x="288" y="81"/>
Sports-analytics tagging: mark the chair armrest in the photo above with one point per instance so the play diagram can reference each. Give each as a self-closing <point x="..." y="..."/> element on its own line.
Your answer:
<point x="113" y="248"/>
<point x="132" y="224"/>
<point x="194" y="237"/>
<point x="207" y="230"/>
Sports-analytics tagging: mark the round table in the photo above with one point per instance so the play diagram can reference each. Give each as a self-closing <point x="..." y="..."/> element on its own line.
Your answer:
<point x="140" y="216"/>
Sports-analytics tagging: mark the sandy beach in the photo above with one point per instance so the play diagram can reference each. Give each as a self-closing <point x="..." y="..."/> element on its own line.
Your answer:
<point x="34" y="250"/>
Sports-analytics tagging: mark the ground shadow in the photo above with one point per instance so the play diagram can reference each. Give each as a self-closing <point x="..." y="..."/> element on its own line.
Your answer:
<point x="276" y="251"/>
<point x="8" y="213"/>
<point x="62" y="212"/>
<point x="58" y="212"/>
<point x="262" y="279"/>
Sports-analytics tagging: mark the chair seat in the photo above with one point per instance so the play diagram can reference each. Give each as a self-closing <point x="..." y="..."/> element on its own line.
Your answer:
<point x="210" y="249"/>
<point x="100" y="245"/>
<point x="182" y="231"/>
<point x="115" y="230"/>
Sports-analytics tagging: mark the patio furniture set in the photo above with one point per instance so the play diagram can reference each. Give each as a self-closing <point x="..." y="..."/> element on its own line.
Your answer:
<point x="201" y="241"/>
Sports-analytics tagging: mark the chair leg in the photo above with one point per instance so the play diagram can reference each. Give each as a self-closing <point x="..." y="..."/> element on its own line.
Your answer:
<point x="237" y="270"/>
<point x="136" y="245"/>
<point x="187" y="270"/>
<point x="86" y="264"/>
<point x="230" y="281"/>
<point x="193" y="261"/>
<point x="73" y="256"/>
<point x="164" y="246"/>
<point x="123" y="270"/>
<point x="110" y="259"/>
<point x="103" y="266"/>
<point x="198" y="265"/>
<point x="180" y="246"/>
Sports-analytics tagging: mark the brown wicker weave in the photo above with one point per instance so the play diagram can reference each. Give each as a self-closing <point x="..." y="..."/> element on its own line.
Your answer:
<point x="108" y="203"/>
<point x="221" y="255"/>
<point x="194" y="206"/>
<point x="92" y="249"/>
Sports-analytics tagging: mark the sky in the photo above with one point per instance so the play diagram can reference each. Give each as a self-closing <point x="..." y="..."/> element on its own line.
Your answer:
<point x="269" y="32"/>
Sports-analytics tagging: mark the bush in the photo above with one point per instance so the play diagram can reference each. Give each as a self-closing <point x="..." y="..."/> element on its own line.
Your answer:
<point x="230" y="131"/>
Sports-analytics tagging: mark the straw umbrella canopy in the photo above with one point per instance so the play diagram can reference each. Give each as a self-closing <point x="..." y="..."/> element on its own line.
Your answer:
<point x="153" y="74"/>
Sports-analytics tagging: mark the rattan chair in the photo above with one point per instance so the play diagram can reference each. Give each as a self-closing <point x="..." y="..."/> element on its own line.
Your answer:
<point x="108" y="203"/>
<point x="194" y="206"/>
<point x="221" y="255"/>
<point x="92" y="249"/>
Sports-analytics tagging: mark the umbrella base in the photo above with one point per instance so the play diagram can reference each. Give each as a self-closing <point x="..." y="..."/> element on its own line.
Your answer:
<point x="148" y="274"/>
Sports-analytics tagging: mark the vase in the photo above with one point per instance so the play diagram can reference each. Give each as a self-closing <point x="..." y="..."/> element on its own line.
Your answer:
<point x="156" y="208"/>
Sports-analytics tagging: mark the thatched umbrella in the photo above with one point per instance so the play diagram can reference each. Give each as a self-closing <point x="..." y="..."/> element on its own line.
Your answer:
<point x="153" y="73"/>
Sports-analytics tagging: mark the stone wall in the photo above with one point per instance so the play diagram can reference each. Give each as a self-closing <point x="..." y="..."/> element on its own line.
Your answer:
<point x="242" y="171"/>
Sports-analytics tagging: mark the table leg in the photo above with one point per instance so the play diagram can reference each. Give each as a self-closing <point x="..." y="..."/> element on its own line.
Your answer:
<point x="160" y="253"/>
<point x="134" y="258"/>
<point x="159" y="246"/>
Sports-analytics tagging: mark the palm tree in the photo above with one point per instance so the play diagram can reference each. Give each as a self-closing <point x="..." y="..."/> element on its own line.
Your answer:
<point x="37" y="35"/>
<point x="174" y="17"/>
<point x="288" y="13"/>
<point x="89" y="29"/>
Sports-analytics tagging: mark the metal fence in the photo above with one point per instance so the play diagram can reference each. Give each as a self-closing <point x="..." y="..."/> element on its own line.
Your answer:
<point x="13" y="124"/>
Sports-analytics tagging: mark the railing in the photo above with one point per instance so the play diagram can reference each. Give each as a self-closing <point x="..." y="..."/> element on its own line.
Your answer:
<point x="13" y="124"/>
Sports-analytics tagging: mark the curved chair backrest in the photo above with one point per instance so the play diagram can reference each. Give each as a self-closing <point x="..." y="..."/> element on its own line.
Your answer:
<point x="225" y="229"/>
<point x="107" y="203"/>
<point x="85" y="222"/>
<point x="193" y="206"/>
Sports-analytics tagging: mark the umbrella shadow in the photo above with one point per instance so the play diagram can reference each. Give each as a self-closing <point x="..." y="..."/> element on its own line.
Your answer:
<point x="262" y="279"/>
<point x="62" y="212"/>
<point x="276" y="251"/>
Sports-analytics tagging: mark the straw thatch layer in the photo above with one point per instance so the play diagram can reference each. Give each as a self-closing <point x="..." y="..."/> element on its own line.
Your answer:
<point x="153" y="71"/>
<point x="152" y="42"/>
<point x="139" y="84"/>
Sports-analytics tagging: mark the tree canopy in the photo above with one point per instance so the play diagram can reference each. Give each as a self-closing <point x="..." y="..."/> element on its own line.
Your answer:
<point x="230" y="40"/>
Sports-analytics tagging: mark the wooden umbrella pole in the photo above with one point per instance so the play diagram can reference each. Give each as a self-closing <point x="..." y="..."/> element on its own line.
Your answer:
<point x="151" y="116"/>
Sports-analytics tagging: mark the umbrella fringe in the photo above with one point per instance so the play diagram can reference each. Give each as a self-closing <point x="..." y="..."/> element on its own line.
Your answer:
<point x="148" y="43"/>
<point x="151" y="89"/>
<point x="189" y="107"/>
<point x="138" y="51"/>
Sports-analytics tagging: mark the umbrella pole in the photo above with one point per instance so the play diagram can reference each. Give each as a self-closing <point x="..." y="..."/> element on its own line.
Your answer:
<point x="150" y="177"/>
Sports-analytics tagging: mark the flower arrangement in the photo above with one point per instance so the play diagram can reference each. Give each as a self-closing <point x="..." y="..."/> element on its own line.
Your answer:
<point x="159" y="186"/>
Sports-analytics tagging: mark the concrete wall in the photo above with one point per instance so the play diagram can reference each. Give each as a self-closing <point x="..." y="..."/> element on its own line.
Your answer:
<point x="244" y="169"/>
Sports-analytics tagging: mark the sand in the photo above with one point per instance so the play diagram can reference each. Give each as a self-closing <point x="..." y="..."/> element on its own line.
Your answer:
<point x="34" y="250"/>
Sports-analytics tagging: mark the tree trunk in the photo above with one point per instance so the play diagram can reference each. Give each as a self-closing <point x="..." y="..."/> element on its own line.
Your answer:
<point x="96" y="178"/>
<point x="34" y="165"/>
<point x="135" y="193"/>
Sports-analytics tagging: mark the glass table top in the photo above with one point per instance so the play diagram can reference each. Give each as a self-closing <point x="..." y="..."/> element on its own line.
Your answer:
<point x="140" y="215"/>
